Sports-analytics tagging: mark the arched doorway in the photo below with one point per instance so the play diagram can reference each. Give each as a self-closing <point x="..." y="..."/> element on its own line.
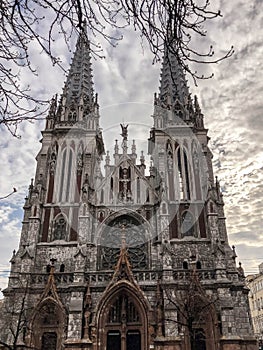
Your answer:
<point x="49" y="341"/>
<point x="123" y="324"/>
<point x="48" y="326"/>
<point x="123" y="321"/>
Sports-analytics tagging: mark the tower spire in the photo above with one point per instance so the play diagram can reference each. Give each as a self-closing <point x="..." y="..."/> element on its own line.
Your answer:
<point x="173" y="103"/>
<point x="79" y="82"/>
<point x="173" y="82"/>
<point x="78" y="100"/>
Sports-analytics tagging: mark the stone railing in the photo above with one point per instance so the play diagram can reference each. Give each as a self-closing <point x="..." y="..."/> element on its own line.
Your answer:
<point x="202" y="274"/>
<point x="60" y="278"/>
<point x="104" y="277"/>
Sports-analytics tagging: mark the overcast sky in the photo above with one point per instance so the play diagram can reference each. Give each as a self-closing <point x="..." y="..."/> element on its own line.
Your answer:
<point x="126" y="81"/>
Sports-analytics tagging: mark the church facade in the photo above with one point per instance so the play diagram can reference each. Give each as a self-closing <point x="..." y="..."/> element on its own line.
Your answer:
<point x="127" y="258"/>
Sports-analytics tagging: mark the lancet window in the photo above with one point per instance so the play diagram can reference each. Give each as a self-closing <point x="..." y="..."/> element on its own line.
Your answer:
<point x="184" y="175"/>
<point x="59" y="228"/>
<point x="66" y="181"/>
<point x="187" y="224"/>
<point x="123" y="310"/>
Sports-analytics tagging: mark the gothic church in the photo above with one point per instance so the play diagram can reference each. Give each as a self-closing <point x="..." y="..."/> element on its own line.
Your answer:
<point x="125" y="257"/>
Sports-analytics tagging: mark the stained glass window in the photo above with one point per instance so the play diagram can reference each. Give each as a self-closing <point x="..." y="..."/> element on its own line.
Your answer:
<point x="111" y="240"/>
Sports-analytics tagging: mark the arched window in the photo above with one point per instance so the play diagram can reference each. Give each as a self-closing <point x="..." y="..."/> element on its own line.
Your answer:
<point x="198" y="265"/>
<point x="187" y="181"/>
<point x="102" y="196"/>
<point x="123" y="307"/>
<point x="187" y="224"/>
<point x="147" y="195"/>
<point x="170" y="168"/>
<point x="111" y="189"/>
<point x="184" y="176"/>
<point x="72" y="116"/>
<point x="164" y="208"/>
<point x="62" y="268"/>
<point x="180" y="173"/>
<point x="185" y="265"/>
<point x="138" y="189"/>
<point x="60" y="228"/>
<point x="66" y="179"/>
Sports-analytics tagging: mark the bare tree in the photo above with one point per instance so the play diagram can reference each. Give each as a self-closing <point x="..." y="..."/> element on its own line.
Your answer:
<point x="170" y="23"/>
<point x="196" y="316"/>
<point x="9" y="194"/>
<point x="16" y="313"/>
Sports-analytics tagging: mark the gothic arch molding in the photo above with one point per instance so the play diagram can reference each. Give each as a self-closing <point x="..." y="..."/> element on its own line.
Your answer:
<point x="123" y="212"/>
<point x="59" y="227"/>
<point x="47" y="330"/>
<point x="133" y="293"/>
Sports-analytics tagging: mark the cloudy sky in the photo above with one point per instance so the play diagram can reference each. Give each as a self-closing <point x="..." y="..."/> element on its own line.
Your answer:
<point x="126" y="81"/>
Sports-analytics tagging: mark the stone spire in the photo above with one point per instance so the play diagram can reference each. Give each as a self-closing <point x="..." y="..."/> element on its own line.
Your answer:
<point x="79" y="84"/>
<point x="173" y="82"/>
<point x="78" y="101"/>
<point x="174" y="102"/>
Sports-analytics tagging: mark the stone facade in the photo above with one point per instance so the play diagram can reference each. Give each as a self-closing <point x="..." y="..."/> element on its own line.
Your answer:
<point x="126" y="259"/>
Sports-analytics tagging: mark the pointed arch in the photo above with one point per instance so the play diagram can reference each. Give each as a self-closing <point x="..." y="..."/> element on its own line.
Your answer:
<point x="48" y="321"/>
<point x="204" y="331"/>
<point x="52" y="163"/>
<point x="47" y="325"/>
<point x="123" y="303"/>
<point x="184" y="172"/>
<point x="187" y="224"/>
<point x="170" y="169"/>
<point x="66" y="176"/>
<point x="60" y="228"/>
<point x="196" y="153"/>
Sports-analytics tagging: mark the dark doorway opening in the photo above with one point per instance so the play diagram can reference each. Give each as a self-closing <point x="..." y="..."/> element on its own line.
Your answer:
<point x="199" y="339"/>
<point x="114" y="340"/>
<point x="133" y="340"/>
<point x="49" y="341"/>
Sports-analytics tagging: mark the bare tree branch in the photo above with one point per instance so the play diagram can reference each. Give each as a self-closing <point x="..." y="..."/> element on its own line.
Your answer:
<point x="169" y="24"/>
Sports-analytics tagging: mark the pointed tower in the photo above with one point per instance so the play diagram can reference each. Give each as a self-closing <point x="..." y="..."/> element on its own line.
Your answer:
<point x="125" y="259"/>
<point x="194" y="250"/>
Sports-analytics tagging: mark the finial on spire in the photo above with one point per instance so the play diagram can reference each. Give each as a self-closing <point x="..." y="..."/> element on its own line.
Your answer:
<point x="116" y="147"/>
<point x="133" y="148"/>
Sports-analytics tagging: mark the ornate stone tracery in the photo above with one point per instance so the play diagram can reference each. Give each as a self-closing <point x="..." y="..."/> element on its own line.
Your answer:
<point x="135" y="237"/>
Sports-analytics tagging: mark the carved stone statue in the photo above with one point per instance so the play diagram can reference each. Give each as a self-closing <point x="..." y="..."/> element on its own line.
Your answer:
<point x="124" y="129"/>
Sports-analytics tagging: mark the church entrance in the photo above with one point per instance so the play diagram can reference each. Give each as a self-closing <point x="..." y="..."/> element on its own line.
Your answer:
<point x="123" y="324"/>
<point x="133" y="340"/>
<point x="114" y="340"/>
<point x="130" y="340"/>
<point x="49" y="341"/>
